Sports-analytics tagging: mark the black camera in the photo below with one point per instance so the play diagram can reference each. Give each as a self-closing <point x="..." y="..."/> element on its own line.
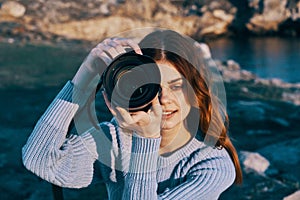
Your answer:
<point x="132" y="81"/>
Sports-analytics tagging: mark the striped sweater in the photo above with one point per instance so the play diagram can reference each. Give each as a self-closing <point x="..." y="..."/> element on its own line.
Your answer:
<point x="130" y="166"/>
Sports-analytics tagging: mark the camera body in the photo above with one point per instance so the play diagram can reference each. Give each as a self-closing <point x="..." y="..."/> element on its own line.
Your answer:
<point x="132" y="81"/>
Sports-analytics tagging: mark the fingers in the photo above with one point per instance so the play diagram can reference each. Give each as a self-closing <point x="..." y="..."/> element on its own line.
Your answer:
<point x="116" y="46"/>
<point x="132" y="120"/>
<point x="144" y="124"/>
<point x="108" y="104"/>
<point x="123" y="117"/>
<point x="156" y="107"/>
<point x="110" y="48"/>
<point x="98" y="52"/>
<point x="141" y="118"/>
<point x="128" y="42"/>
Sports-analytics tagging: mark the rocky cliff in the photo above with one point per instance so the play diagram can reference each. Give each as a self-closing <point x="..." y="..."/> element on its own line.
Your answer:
<point x="93" y="20"/>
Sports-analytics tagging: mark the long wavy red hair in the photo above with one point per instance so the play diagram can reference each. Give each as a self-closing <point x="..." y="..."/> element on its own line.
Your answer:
<point x="170" y="46"/>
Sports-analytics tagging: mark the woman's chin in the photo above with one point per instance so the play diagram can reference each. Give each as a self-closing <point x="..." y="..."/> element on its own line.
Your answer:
<point x="168" y="125"/>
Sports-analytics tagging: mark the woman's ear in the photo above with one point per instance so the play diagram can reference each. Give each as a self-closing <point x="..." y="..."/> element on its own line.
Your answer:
<point x="108" y="104"/>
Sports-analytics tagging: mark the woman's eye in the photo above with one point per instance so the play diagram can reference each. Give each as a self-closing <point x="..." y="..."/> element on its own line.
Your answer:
<point x="176" y="87"/>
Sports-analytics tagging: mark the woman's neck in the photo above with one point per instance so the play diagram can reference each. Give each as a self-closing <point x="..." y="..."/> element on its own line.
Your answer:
<point x="171" y="140"/>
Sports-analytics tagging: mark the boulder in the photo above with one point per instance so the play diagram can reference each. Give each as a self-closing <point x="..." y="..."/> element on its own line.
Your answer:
<point x="253" y="161"/>
<point x="231" y="71"/>
<point x="13" y="9"/>
<point x="294" y="196"/>
<point x="285" y="156"/>
<point x="274" y="13"/>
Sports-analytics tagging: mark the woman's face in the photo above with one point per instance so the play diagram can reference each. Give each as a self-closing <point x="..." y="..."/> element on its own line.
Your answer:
<point x="174" y="102"/>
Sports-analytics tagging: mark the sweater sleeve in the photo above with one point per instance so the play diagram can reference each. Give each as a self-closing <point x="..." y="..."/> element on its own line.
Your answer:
<point x="141" y="181"/>
<point x="206" y="180"/>
<point x="67" y="162"/>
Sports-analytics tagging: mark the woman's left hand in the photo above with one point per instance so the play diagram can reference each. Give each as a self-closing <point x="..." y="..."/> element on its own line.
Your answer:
<point x="145" y="124"/>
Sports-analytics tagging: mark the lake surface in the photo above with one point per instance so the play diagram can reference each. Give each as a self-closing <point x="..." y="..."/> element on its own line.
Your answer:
<point x="37" y="66"/>
<point x="268" y="57"/>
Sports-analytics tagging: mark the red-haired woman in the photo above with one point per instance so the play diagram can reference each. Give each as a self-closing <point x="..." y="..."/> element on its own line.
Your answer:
<point x="178" y="149"/>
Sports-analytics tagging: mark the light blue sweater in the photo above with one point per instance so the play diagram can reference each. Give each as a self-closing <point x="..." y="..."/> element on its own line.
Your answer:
<point x="130" y="166"/>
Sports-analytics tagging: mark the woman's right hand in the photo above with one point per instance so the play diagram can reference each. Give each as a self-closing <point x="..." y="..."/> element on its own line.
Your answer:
<point x="98" y="59"/>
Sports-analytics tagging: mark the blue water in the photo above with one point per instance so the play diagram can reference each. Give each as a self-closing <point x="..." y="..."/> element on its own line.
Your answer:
<point x="268" y="57"/>
<point x="36" y="66"/>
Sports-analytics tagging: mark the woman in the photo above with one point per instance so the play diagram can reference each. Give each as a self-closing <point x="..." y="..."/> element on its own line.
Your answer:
<point x="179" y="149"/>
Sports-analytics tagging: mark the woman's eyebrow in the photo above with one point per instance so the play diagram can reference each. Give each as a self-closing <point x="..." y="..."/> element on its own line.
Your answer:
<point x="175" y="80"/>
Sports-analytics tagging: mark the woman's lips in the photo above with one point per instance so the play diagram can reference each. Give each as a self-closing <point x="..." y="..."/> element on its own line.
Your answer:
<point x="168" y="114"/>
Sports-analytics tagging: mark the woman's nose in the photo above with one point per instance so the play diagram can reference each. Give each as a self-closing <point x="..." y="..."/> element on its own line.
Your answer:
<point x="165" y="95"/>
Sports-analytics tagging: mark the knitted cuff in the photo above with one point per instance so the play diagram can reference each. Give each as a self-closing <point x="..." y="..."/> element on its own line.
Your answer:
<point x="144" y="155"/>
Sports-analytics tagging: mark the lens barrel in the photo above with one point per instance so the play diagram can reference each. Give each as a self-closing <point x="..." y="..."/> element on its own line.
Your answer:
<point x="132" y="81"/>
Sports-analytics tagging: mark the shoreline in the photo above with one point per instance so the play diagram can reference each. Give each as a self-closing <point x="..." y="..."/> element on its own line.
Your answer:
<point x="59" y="21"/>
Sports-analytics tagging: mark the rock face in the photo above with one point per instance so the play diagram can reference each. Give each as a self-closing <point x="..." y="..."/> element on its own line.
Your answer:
<point x="251" y="85"/>
<point x="259" y="17"/>
<point x="215" y="17"/>
<point x="269" y="15"/>
<point x="133" y="14"/>
<point x="284" y="155"/>
<point x="254" y="161"/>
<point x="13" y="9"/>
<point x="294" y="196"/>
<point x="94" y="20"/>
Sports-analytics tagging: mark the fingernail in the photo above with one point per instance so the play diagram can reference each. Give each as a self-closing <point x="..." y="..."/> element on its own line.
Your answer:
<point x="138" y="51"/>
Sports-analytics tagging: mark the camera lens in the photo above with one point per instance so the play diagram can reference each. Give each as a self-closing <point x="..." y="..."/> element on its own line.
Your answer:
<point x="132" y="81"/>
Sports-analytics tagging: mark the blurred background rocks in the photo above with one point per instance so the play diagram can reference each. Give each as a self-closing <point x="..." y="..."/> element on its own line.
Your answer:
<point x="264" y="113"/>
<point x="94" y="19"/>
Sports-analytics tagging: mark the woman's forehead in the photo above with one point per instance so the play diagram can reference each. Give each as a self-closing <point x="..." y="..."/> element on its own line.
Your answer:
<point x="168" y="72"/>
